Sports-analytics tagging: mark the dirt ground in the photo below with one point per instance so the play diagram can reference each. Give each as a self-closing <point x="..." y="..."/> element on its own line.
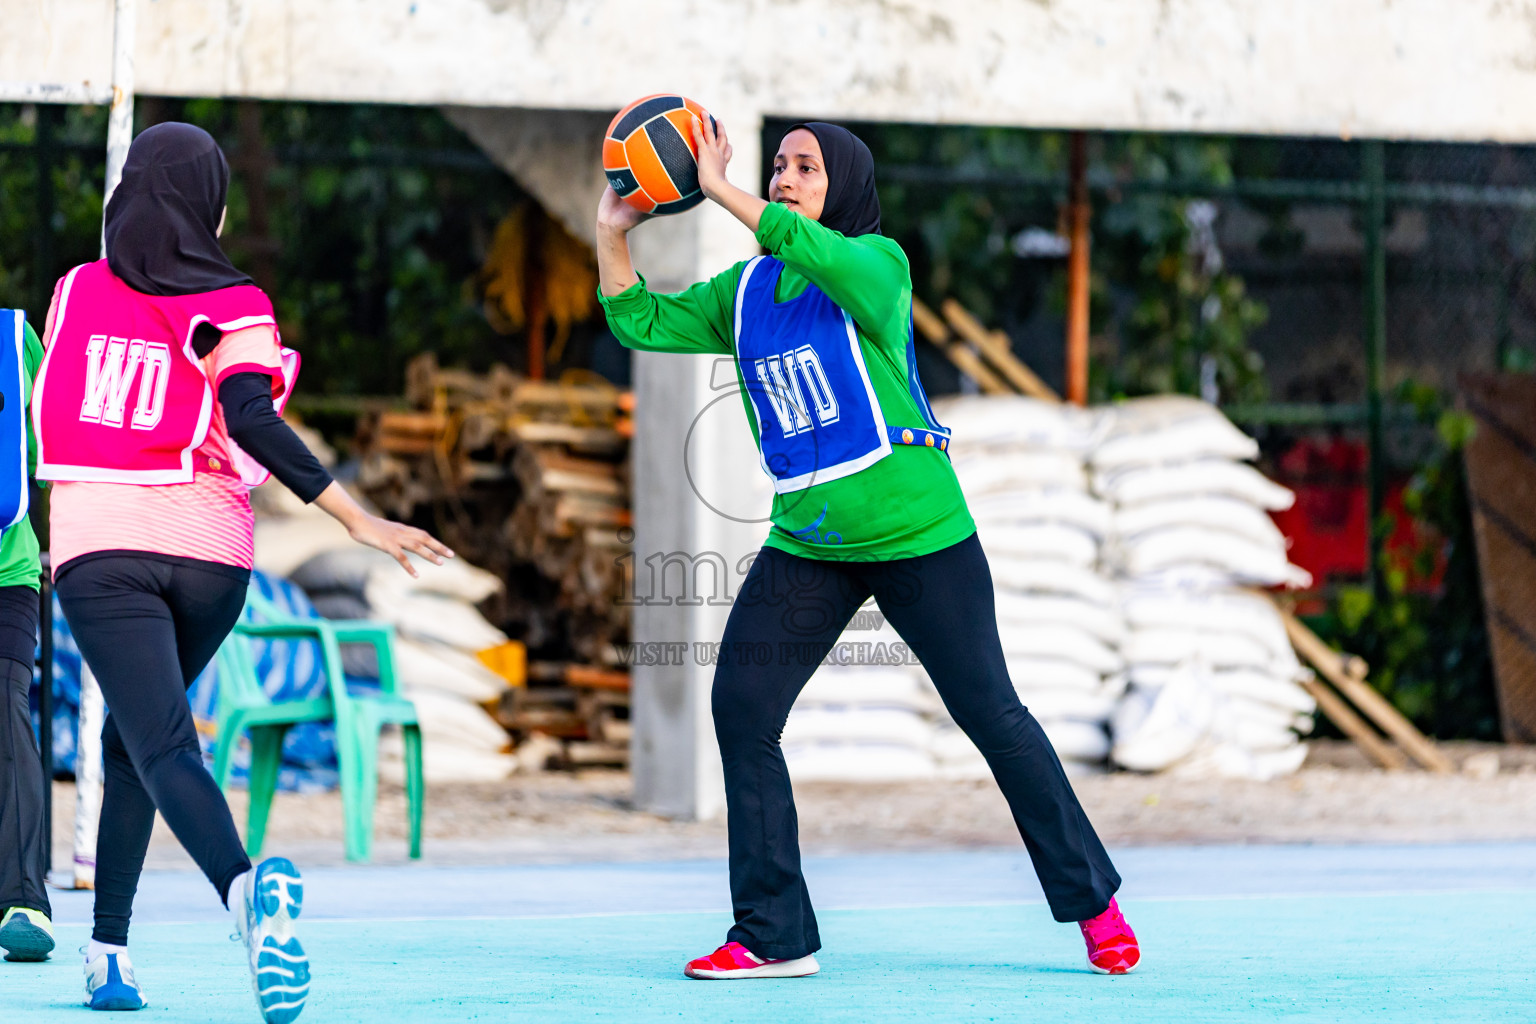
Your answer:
<point x="555" y="817"/>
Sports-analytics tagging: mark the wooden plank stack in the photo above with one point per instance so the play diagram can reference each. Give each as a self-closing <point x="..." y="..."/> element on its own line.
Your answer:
<point x="586" y="709"/>
<point x="530" y="480"/>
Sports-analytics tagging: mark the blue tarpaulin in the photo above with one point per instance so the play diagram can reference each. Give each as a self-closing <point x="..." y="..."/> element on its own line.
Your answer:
<point x="288" y="670"/>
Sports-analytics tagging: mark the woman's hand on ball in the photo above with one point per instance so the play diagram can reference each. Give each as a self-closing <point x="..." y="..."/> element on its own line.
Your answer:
<point x="714" y="153"/>
<point x="615" y="214"/>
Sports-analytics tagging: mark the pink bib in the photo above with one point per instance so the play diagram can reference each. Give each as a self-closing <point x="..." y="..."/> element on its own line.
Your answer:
<point x="120" y="396"/>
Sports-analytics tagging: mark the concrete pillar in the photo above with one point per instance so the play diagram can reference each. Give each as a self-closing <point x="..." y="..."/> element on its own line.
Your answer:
<point x="701" y="505"/>
<point x="701" y="499"/>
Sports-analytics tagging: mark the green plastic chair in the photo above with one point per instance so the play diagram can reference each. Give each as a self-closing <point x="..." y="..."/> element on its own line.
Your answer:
<point x="243" y="706"/>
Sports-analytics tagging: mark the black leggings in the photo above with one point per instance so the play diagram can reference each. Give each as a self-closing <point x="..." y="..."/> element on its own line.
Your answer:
<point x="23" y="844"/>
<point x="148" y="625"/>
<point x="942" y="605"/>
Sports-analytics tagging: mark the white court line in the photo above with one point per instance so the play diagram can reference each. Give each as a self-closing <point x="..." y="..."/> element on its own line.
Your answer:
<point x="587" y="915"/>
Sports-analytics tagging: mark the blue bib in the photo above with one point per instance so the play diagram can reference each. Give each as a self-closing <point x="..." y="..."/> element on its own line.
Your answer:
<point x="817" y="415"/>
<point x="13" y="418"/>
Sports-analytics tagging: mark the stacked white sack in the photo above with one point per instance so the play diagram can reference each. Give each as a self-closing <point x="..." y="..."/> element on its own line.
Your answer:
<point x="870" y="722"/>
<point x="1020" y="463"/>
<point x="438" y="629"/>
<point x="1213" y="679"/>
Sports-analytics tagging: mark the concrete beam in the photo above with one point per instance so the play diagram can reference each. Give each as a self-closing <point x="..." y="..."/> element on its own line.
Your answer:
<point x="1423" y="69"/>
<point x="556" y="155"/>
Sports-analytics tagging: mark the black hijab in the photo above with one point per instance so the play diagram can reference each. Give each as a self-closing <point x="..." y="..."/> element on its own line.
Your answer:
<point x="852" y="207"/>
<point x="162" y="222"/>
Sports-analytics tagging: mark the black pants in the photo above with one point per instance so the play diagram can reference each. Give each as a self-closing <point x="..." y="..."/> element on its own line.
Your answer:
<point x="148" y="625"/>
<point x="23" y="843"/>
<point x="942" y="605"/>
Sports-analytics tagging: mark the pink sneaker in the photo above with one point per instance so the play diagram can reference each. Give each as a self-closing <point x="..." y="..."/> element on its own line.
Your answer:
<point x="1112" y="947"/>
<point x="733" y="960"/>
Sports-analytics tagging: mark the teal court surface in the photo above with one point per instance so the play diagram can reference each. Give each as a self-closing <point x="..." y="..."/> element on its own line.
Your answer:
<point x="1229" y="933"/>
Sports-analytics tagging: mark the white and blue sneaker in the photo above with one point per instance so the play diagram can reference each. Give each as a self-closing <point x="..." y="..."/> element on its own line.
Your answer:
<point x="109" y="984"/>
<point x="272" y="896"/>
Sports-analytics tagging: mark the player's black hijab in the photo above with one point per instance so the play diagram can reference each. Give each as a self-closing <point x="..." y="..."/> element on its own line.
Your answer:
<point x="852" y="207"/>
<point x="162" y="222"/>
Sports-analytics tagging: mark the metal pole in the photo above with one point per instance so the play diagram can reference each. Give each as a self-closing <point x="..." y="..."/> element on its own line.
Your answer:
<point x="45" y="707"/>
<point x="1424" y="193"/>
<point x="1373" y="171"/>
<point x="88" y="778"/>
<point x="42" y="254"/>
<point x="88" y="762"/>
<point x="1077" y="274"/>
<point x="1504" y="328"/>
<point x="120" y="123"/>
<point x="119" y="136"/>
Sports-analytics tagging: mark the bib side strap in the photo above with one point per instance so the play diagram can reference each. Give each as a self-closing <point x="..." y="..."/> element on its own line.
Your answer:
<point x="921" y="436"/>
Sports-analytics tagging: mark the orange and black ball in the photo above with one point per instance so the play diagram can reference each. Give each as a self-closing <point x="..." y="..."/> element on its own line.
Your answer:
<point x="649" y="154"/>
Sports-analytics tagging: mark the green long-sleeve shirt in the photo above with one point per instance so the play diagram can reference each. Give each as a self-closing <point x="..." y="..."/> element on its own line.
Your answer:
<point x="906" y="504"/>
<point x="19" y="562"/>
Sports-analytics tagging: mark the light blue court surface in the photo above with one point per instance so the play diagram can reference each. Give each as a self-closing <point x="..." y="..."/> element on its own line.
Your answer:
<point x="1304" y="933"/>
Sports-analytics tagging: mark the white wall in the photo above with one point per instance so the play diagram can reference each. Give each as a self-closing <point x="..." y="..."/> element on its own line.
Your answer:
<point x="1428" y="69"/>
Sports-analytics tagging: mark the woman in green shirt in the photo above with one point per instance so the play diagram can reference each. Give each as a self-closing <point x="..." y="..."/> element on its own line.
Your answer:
<point x="26" y="933"/>
<point x="865" y="504"/>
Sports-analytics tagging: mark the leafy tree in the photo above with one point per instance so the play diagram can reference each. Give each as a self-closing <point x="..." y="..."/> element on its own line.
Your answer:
<point x="34" y="253"/>
<point x="1184" y="324"/>
<point x="378" y="218"/>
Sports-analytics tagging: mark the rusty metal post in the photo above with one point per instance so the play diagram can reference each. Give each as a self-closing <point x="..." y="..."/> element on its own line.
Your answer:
<point x="1077" y="274"/>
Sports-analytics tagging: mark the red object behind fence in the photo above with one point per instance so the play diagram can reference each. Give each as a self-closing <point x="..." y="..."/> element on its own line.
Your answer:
<point x="1328" y="525"/>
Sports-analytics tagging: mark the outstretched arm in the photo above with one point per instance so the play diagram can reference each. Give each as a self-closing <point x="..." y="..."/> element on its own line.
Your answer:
<point x="245" y="397"/>
<point x="394" y="539"/>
